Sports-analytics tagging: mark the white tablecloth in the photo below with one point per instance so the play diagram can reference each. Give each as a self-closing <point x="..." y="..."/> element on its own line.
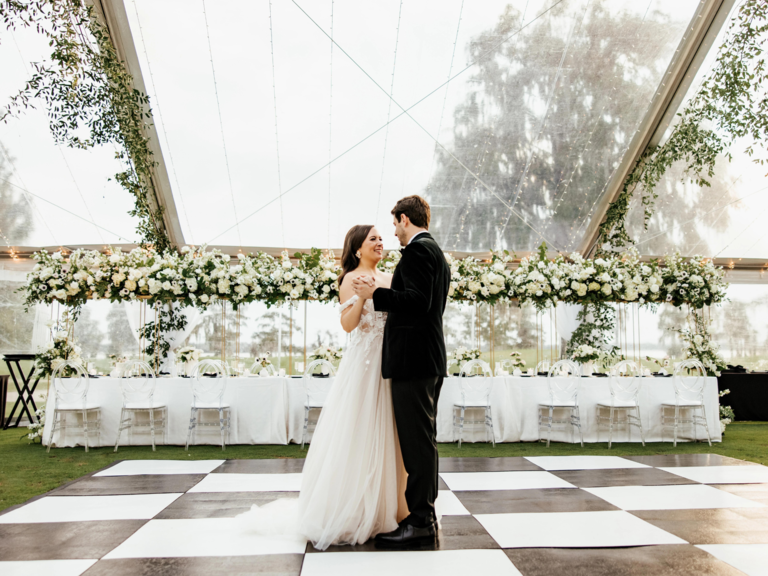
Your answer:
<point x="515" y="400"/>
<point x="271" y="411"/>
<point x="259" y="413"/>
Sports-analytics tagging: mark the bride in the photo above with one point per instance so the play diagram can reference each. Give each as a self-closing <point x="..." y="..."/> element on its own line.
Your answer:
<point x="353" y="484"/>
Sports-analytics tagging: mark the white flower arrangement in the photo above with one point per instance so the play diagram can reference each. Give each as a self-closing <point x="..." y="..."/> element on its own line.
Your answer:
<point x="200" y="277"/>
<point x="516" y="361"/>
<point x="61" y="349"/>
<point x="262" y="360"/>
<point x="36" y="429"/>
<point x="698" y="345"/>
<point x="726" y="412"/>
<point x="188" y="354"/>
<point x="660" y="362"/>
<point x="461" y="355"/>
<point x="329" y="353"/>
<point x="585" y="353"/>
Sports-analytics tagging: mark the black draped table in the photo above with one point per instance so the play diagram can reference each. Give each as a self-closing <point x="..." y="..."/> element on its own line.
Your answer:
<point x="749" y="394"/>
<point x="25" y="403"/>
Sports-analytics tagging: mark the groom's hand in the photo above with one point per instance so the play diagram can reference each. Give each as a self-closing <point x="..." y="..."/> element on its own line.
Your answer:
<point x="364" y="287"/>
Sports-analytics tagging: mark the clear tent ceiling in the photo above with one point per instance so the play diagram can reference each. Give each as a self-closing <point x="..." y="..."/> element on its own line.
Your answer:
<point x="725" y="220"/>
<point x="517" y="112"/>
<point x="51" y="195"/>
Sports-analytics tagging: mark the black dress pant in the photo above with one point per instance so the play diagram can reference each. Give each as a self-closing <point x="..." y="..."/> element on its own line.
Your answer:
<point x="415" y="405"/>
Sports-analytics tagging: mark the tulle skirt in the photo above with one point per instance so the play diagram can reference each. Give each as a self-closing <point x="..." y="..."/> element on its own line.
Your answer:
<point x="353" y="484"/>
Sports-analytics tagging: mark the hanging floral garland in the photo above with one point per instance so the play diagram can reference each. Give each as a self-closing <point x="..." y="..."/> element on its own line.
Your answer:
<point x="199" y="277"/>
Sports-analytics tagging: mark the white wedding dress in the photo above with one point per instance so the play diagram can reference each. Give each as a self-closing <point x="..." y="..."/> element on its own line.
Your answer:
<point x="353" y="482"/>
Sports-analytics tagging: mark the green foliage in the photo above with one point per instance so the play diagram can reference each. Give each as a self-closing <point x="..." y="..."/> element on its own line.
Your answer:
<point x="597" y="321"/>
<point x="732" y="103"/>
<point x="169" y="319"/>
<point x="87" y="89"/>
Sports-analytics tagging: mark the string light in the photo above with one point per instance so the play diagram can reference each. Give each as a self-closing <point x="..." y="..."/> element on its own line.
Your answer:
<point x="162" y="122"/>
<point x="389" y="109"/>
<point x="404" y="111"/>
<point x="221" y="123"/>
<point x="445" y="96"/>
<point x="330" y="132"/>
<point x="542" y="123"/>
<point x="277" y="139"/>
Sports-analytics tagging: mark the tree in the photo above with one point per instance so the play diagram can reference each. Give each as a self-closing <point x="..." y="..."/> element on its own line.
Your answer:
<point x="550" y="169"/>
<point x="88" y="335"/>
<point x="324" y="338"/>
<point x="265" y="338"/>
<point x="16" y="222"/>
<point x="671" y="318"/>
<point x="121" y="336"/>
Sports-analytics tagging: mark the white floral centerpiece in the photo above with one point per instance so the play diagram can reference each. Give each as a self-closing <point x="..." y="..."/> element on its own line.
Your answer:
<point x="585" y="355"/>
<point x="262" y="365"/>
<point x="189" y="356"/>
<point x="329" y="353"/>
<point x="118" y="363"/>
<point x="462" y="355"/>
<point x="516" y="361"/>
<point x="662" y="363"/>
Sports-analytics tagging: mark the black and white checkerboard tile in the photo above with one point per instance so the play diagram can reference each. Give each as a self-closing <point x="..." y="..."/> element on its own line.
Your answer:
<point x="595" y="515"/>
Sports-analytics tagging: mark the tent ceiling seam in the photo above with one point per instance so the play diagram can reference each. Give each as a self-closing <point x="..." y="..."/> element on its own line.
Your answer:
<point x="162" y="123"/>
<point x="221" y="123"/>
<point x="459" y="162"/>
<point x="403" y="113"/>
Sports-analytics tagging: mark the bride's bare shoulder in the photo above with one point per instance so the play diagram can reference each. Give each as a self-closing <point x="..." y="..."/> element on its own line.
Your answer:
<point x="385" y="279"/>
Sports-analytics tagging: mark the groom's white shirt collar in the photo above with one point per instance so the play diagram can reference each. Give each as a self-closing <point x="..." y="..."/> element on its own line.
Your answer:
<point x="414" y="236"/>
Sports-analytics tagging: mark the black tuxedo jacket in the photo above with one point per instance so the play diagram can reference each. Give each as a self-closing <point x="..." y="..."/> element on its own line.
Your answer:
<point x="414" y="345"/>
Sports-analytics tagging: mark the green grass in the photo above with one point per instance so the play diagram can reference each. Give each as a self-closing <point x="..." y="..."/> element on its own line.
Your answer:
<point x="26" y="470"/>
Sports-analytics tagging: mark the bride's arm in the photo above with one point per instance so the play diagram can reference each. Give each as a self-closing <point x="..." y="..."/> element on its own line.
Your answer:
<point x="350" y="317"/>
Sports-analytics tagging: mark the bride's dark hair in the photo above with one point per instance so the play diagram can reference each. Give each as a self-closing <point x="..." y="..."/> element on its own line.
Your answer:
<point x="352" y="243"/>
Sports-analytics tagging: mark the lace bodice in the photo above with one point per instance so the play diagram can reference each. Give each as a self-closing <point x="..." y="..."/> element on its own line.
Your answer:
<point x="370" y="330"/>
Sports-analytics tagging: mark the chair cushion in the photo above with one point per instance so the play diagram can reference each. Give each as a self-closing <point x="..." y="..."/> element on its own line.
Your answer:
<point x="559" y="405"/>
<point x="65" y="407"/>
<point x="143" y="406"/>
<point x="210" y="406"/>
<point x="685" y="404"/>
<point x="619" y="404"/>
<point x="471" y="404"/>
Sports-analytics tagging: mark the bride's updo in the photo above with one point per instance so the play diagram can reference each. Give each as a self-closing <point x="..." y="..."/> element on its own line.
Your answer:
<point x="352" y="243"/>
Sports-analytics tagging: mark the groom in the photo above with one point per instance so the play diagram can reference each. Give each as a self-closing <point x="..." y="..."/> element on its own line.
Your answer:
<point x="414" y="358"/>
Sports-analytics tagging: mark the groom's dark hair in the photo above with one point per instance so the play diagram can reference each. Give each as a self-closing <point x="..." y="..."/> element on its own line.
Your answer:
<point x="416" y="208"/>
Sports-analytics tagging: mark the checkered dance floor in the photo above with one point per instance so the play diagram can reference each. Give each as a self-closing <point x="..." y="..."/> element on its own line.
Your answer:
<point x="591" y="515"/>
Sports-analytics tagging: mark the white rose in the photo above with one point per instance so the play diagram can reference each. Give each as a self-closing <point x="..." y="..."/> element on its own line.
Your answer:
<point x="204" y="298"/>
<point x="606" y="289"/>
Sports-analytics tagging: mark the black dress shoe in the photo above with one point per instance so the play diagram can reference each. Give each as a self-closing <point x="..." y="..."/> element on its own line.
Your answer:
<point x="407" y="534"/>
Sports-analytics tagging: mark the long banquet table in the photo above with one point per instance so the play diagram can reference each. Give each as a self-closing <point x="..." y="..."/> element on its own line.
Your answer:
<point x="271" y="411"/>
